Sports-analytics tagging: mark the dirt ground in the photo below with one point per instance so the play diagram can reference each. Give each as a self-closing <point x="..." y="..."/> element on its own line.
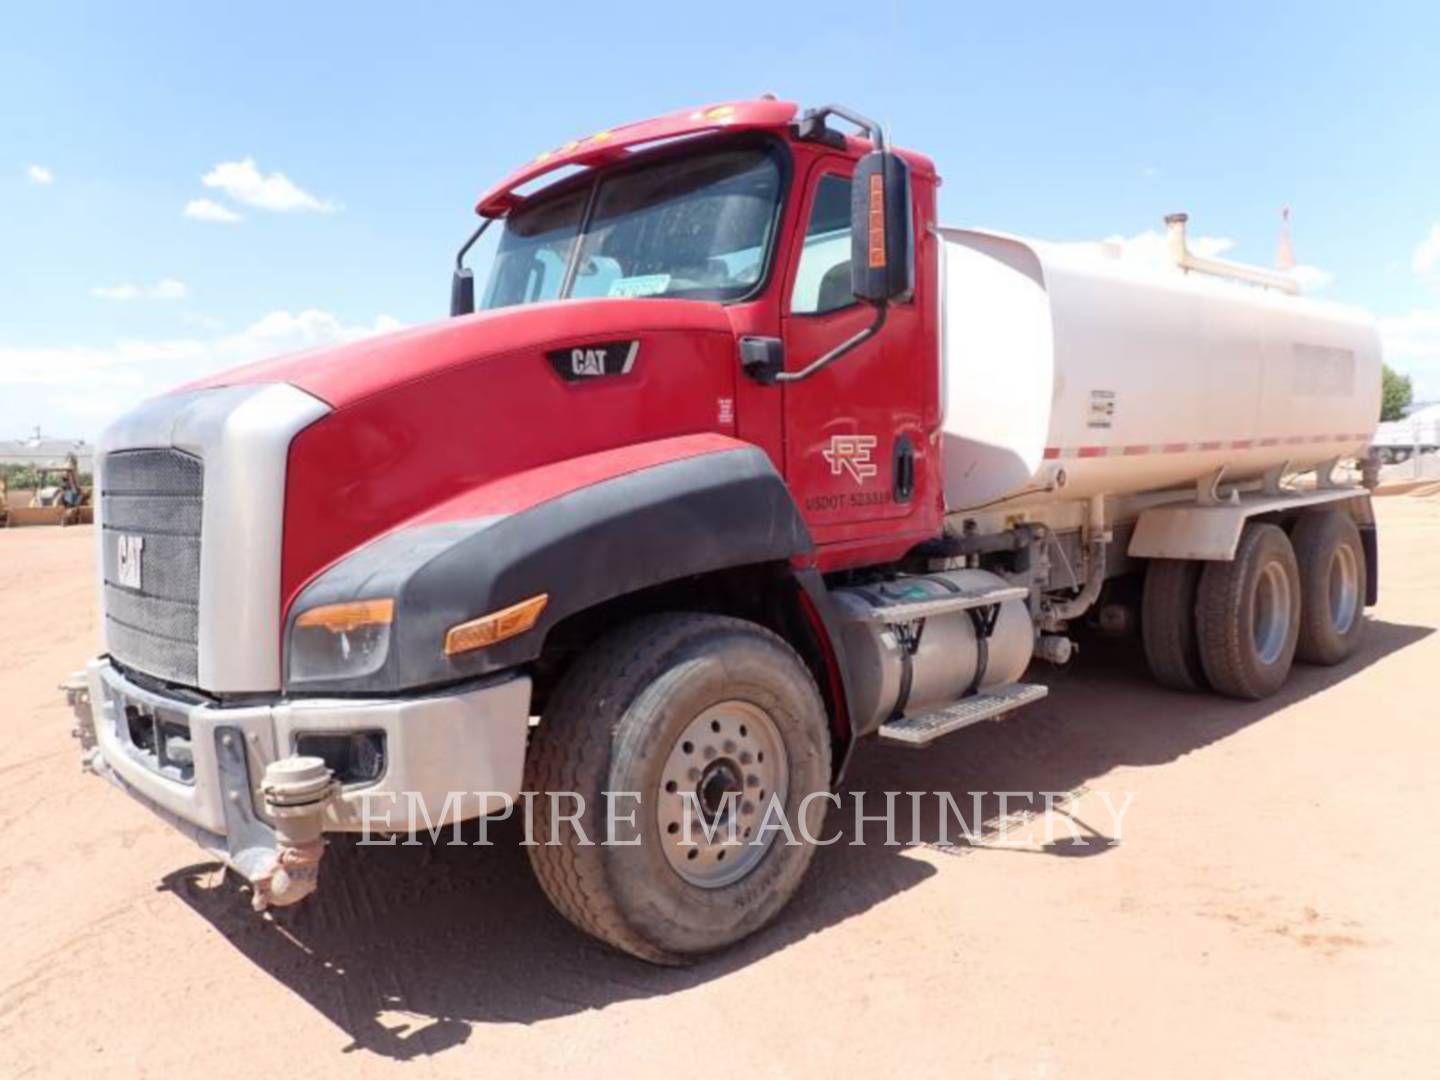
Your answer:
<point x="1268" y="911"/>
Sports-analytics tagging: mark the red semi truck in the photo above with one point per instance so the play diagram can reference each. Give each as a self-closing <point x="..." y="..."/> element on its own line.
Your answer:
<point x="743" y="460"/>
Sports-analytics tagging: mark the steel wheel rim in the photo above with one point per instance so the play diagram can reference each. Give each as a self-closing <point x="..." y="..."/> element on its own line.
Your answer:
<point x="1270" y="627"/>
<point x="725" y="767"/>
<point x="1344" y="589"/>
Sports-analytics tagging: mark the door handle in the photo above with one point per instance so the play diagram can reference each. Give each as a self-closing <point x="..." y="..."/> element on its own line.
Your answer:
<point x="904" y="469"/>
<point x="762" y="358"/>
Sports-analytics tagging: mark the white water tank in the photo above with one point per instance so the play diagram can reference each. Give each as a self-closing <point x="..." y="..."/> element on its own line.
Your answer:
<point x="1135" y="375"/>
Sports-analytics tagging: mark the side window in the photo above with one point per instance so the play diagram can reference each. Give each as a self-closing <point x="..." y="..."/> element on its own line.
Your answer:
<point x="822" y="279"/>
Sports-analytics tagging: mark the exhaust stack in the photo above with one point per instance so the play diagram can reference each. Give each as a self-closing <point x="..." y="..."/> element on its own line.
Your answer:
<point x="1187" y="260"/>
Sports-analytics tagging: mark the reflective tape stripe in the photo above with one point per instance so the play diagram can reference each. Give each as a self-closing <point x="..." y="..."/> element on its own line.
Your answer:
<point x="1054" y="453"/>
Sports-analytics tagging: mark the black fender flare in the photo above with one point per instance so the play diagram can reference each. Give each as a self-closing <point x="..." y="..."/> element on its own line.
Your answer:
<point x="713" y="511"/>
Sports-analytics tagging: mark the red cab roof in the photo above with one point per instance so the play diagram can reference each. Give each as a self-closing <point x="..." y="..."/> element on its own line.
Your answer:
<point x="612" y="144"/>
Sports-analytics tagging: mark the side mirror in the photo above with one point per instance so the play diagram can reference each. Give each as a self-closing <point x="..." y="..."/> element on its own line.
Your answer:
<point x="882" y="238"/>
<point x="462" y="293"/>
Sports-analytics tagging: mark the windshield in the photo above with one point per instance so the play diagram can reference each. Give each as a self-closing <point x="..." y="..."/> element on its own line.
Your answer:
<point x="696" y="227"/>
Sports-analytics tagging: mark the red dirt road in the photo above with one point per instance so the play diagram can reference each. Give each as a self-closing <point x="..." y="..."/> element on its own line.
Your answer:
<point x="1268" y="911"/>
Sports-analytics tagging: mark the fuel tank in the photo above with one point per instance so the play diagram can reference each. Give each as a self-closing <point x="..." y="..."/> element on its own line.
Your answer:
<point x="955" y="654"/>
<point x="1130" y="375"/>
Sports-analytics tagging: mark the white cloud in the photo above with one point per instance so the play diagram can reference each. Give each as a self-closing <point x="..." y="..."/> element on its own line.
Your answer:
<point x="244" y="183"/>
<point x="1153" y="246"/>
<point x="1311" y="278"/>
<point x="101" y="383"/>
<point x="281" y="332"/>
<point x="39" y="174"/>
<point x="1427" y="253"/>
<point x="164" y="289"/>
<point x="1150" y="246"/>
<point x="203" y="322"/>
<point x="205" y="210"/>
<point x="1411" y="344"/>
<point x="69" y="366"/>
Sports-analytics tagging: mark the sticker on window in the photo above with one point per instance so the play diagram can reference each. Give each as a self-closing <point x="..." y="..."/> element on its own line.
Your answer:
<point x="640" y="285"/>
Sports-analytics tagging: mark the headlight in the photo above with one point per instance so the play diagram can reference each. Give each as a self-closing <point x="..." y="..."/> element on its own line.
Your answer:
<point x="341" y="641"/>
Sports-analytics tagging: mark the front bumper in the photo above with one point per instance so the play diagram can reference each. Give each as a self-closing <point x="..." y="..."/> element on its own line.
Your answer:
<point x="448" y="757"/>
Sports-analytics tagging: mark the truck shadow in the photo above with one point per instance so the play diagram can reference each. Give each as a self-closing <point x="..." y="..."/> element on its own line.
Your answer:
<point x="407" y="949"/>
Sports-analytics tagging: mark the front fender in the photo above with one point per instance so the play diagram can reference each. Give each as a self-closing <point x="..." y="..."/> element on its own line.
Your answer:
<point x="583" y="531"/>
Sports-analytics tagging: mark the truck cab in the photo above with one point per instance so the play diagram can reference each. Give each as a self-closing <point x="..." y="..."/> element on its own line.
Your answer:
<point x="659" y="512"/>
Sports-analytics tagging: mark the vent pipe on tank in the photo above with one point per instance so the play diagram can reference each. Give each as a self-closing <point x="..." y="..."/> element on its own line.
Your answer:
<point x="1186" y="259"/>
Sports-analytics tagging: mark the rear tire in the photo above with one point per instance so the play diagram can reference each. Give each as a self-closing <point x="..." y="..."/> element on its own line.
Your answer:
<point x="637" y="713"/>
<point x="1167" y="624"/>
<point x="1248" y="615"/>
<point x="1332" y="587"/>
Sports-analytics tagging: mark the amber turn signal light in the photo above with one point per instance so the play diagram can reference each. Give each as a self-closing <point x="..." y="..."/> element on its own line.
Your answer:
<point x="497" y="626"/>
<point x="344" y="618"/>
<point x="877" y="222"/>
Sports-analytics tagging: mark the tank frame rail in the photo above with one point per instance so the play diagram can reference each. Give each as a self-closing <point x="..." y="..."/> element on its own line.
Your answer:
<point x="918" y="731"/>
<point x="914" y="610"/>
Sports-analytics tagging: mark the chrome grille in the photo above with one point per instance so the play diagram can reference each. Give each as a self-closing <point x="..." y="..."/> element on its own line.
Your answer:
<point x="155" y="496"/>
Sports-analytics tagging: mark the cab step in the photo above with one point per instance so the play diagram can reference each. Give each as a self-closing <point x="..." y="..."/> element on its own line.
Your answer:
<point x="911" y="610"/>
<point x="923" y="730"/>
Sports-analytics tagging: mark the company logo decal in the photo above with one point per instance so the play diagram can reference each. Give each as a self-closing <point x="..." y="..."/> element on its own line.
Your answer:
<point x="594" y="361"/>
<point x="128" y="551"/>
<point x="851" y="454"/>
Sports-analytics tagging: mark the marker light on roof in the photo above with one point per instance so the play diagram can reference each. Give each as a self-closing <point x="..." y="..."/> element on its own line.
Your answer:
<point x="718" y="112"/>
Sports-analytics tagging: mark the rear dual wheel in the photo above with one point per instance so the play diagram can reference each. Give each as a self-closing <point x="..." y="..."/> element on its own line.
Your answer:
<point x="1247" y="614"/>
<point x="1333" y="586"/>
<point x="1167" y="624"/>
<point x="1238" y="626"/>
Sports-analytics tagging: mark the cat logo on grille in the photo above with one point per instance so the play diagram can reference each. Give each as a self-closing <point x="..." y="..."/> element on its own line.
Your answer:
<point x="128" y="552"/>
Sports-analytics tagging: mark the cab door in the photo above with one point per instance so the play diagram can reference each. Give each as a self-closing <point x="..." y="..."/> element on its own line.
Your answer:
<point x="855" y="442"/>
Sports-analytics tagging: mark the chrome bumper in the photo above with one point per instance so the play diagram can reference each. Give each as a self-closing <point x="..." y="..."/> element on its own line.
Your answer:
<point x="470" y="742"/>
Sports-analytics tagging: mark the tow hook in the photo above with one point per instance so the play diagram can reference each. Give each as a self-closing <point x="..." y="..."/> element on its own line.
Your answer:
<point x="296" y="791"/>
<point x="77" y="696"/>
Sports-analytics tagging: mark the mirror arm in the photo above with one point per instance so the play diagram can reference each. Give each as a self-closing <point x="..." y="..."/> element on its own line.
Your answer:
<point x="813" y="123"/>
<point x="462" y="282"/>
<point x="465" y="247"/>
<point x="839" y="350"/>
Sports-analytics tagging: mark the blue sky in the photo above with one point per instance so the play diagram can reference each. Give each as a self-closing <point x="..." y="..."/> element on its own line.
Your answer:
<point x="1063" y="121"/>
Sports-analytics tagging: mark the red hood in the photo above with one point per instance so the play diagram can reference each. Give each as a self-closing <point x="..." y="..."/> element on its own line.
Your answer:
<point x="344" y="374"/>
<point x="422" y="416"/>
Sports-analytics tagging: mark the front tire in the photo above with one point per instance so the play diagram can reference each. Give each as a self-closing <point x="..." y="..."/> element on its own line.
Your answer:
<point x="1248" y="615"/>
<point x="666" y="704"/>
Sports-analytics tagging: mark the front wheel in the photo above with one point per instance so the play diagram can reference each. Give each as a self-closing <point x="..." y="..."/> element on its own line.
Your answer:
<point x="694" y="735"/>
